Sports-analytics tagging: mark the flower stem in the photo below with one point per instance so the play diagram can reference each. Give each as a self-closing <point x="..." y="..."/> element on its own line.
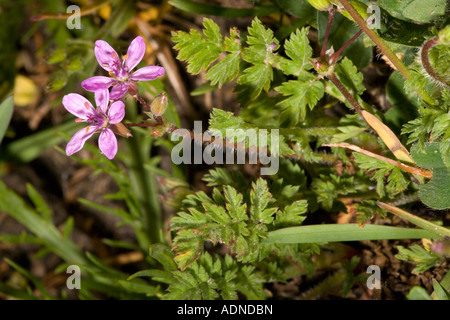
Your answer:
<point x="336" y="55"/>
<point x="426" y="61"/>
<point x="355" y="104"/>
<point x="143" y="182"/>
<point x="141" y="124"/>
<point x="327" y="33"/>
<point x="146" y="190"/>
<point x="375" y="38"/>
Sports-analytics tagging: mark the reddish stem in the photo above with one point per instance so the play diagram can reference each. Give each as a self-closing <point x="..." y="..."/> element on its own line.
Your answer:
<point x="327" y="33"/>
<point x="355" y="104"/>
<point x="142" y="124"/>
<point x="337" y="54"/>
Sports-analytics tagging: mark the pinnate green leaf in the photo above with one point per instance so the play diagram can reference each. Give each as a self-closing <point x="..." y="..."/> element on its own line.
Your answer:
<point x="305" y="91"/>
<point x="418" y="293"/>
<point x="260" y="53"/>
<point x="440" y="293"/>
<point x="417" y="254"/>
<point x="260" y="199"/>
<point x="299" y="51"/>
<point x="350" y="77"/>
<point x="292" y="215"/>
<point x="395" y="181"/>
<point x="254" y="79"/>
<point x="227" y="69"/>
<point x="261" y="43"/>
<point x="199" y="50"/>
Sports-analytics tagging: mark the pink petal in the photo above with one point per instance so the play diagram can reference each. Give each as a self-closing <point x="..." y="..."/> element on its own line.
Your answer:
<point x="102" y="99"/>
<point x="106" y="56"/>
<point x="107" y="143"/>
<point x="116" y="112"/>
<point x="78" y="105"/>
<point x="135" y="53"/>
<point x="147" y="73"/>
<point x="77" y="142"/>
<point x="97" y="83"/>
<point x="119" y="90"/>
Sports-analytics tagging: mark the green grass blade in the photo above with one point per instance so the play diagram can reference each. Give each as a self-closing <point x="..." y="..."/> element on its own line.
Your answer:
<point x="30" y="277"/>
<point x="15" y="206"/>
<point x="157" y="275"/>
<point x="445" y="283"/>
<point x="30" y="147"/>
<point x="418" y="293"/>
<point x="139" y="288"/>
<point x="143" y="182"/>
<point x="21" y="238"/>
<point x="422" y="223"/>
<point x="343" y="232"/>
<point x="6" y="111"/>
<point x="440" y="293"/>
<point x="16" y="293"/>
<point x="39" y="202"/>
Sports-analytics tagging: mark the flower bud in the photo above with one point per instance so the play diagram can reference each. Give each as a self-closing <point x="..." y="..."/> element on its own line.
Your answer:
<point x="322" y="5"/>
<point x="158" y="131"/>
<point x="132" y="88"/>
<point x="159" y="105"/>
<point x="56" y="56"/>
<point x="57" y="81"/>
<point x="320" y="66"/>
<point x="120" y="129"/>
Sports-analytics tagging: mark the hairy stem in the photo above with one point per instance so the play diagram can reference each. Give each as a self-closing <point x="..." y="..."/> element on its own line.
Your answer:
<point x="426" y="62"/>
<point x="325" y="286"/>
<point x="375" y="38"/>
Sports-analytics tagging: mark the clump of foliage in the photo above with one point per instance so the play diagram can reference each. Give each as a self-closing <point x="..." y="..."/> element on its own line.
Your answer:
<point x="247" y="231"/>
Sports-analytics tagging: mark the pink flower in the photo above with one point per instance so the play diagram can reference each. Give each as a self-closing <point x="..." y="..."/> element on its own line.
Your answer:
<point x="120" y="71"/>
<point x="102" y="120"/>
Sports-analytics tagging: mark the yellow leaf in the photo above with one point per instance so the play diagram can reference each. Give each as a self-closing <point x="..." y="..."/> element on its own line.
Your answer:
<point x="25" y="91"/>
<point x="388" y="137"/>
<point x="150" y="14"/>
<point x="105" y="11"/>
